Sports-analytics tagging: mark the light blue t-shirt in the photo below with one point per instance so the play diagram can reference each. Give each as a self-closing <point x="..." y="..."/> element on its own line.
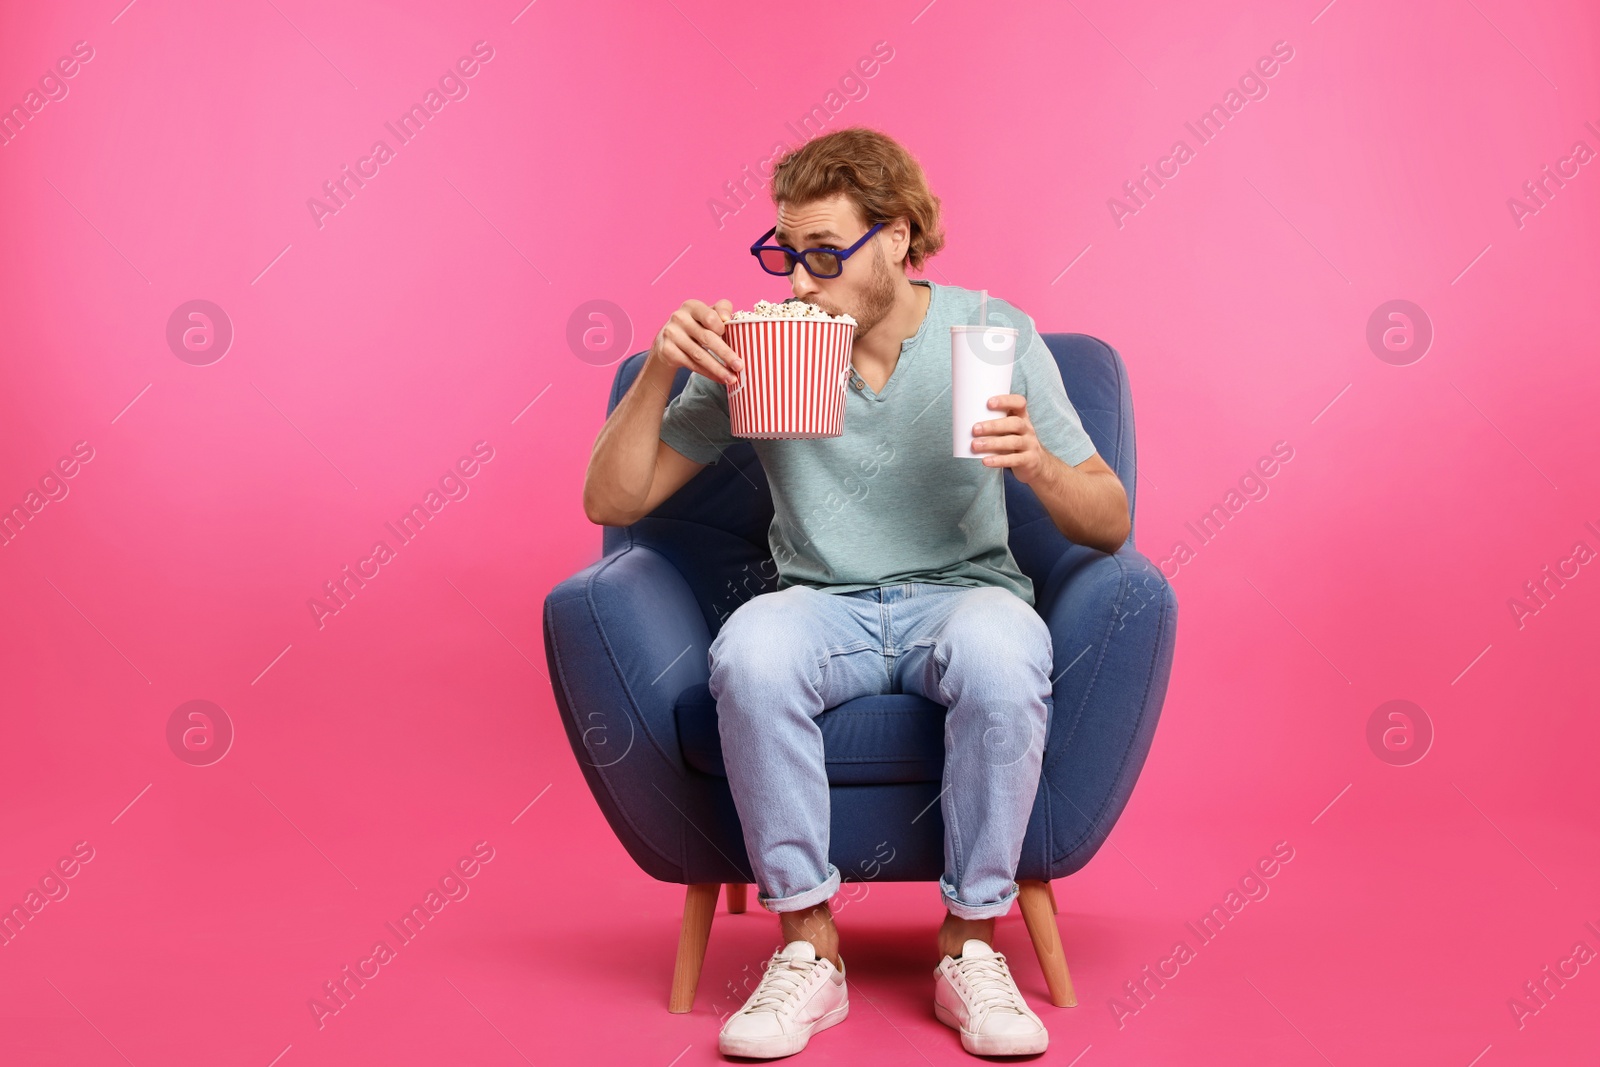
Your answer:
<point x="887" y="502"/>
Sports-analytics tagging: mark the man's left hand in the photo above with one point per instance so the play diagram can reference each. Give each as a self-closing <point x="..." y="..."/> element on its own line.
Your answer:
<point x="1009" y="441"/>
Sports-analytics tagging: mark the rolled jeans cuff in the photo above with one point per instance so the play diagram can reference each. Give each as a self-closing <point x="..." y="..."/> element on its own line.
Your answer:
<point x="962" y="910"/>
<point x="809" y="898"/>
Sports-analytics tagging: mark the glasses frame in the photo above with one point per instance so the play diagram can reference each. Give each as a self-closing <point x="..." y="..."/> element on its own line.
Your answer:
<point x="800" y="257"/>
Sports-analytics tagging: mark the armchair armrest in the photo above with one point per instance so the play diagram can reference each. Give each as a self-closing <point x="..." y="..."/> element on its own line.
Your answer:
<point x="623" y="637"/>
<point x="1113" y="625"/>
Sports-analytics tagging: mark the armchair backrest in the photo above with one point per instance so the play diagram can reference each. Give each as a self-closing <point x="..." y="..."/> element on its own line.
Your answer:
<point x="714" y="529"/>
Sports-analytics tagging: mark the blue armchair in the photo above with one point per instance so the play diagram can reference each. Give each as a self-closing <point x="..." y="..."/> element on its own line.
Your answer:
<point x="626" y="639"/>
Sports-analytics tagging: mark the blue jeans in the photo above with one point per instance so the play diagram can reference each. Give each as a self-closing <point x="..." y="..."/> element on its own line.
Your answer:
<point x="784" y="657"/>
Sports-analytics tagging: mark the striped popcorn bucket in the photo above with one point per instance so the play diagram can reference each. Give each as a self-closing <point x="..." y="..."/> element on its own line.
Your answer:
<point x="793" y="384"/>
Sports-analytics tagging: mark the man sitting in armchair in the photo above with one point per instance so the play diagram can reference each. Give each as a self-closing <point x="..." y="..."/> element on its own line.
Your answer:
<point x="894" y="575"/>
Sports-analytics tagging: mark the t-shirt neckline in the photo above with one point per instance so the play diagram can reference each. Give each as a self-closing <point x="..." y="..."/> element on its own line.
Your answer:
<point x="906" y="346"/>
<point x="922" y="327"/>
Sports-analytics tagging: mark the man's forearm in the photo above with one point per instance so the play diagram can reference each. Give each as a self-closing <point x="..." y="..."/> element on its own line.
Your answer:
<point x="623" y="461"/>
<point x="1088" y="507"/>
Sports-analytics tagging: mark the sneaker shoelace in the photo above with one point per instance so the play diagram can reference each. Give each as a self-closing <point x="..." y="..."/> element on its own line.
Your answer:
<point x="989" y="984"/>
<point x="782" y="983"/>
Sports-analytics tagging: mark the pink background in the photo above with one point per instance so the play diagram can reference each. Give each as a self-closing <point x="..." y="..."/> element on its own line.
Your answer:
<point x="372" y="352"/>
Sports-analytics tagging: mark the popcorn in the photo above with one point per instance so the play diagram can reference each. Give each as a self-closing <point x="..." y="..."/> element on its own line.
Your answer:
<point x="793" y="308"/>
<point x="794" y="359"/>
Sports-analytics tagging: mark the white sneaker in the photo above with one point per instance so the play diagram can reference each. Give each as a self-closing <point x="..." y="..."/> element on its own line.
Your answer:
<point x="798" y="996"/>
<point x="975" y="994"/>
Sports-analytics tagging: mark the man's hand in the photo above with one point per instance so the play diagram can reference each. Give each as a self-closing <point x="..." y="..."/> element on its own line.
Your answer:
<point x="1010" y="439"/>
<point x="692" y="338"/>
<point x="1087" y="502"/>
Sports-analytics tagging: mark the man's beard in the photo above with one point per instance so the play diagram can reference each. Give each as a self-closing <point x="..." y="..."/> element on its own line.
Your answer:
<point x="879" y="296"/>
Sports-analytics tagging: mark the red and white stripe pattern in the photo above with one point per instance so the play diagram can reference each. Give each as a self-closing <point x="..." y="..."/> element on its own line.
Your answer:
<point x="792" y="386"/>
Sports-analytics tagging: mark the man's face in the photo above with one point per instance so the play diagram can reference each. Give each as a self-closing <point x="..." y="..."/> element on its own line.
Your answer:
<point x="865" y="289"/>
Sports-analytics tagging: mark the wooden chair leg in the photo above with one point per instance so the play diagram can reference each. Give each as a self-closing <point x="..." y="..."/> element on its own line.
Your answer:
<point x="1051" y="889"/>
<point x="1036" y="897"/>
<point x="736" y="898"/>
<point x="699" y="905"/>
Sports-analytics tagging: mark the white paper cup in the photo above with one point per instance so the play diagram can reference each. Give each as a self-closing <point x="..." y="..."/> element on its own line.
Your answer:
<point x="981" y="359"/>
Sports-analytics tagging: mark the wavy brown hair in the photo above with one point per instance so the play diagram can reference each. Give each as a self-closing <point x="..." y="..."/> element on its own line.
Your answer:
<point x="876" y="172"/>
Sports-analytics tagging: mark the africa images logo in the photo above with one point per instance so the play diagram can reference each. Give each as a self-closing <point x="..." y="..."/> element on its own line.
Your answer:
<point x="1252" y="85"/>
<point x="453" y="85"/>
<point x="454" y="885"/>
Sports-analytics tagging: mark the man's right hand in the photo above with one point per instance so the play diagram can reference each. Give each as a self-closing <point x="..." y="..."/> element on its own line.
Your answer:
<point x="690" y="338"/>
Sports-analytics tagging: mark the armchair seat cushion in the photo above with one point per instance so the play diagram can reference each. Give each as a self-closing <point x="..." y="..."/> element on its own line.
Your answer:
<point x="873" y="740"/>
